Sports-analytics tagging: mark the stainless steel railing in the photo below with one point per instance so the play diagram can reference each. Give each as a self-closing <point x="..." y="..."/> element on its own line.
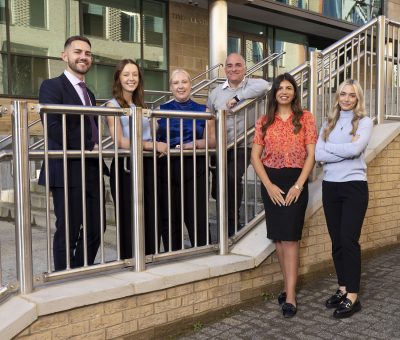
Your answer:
<point x="370" y="55"/>
<point x="21" y="157"/>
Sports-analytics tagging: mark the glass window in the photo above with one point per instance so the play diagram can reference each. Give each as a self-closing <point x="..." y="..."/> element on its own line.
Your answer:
<point x="130" y="26"/>
<point x="355" y="11"/>
<point x="2" y="11"/>
<point x="93" y="20"/>
<point x="27" y="73"/>
<point x="100" y="79"/>
<point x="3" y="74"/>
<point x="155" y="38"/>
<point x="234" y="45"/>
<point x="37" y="13"/>
<point x="295" y="46"/>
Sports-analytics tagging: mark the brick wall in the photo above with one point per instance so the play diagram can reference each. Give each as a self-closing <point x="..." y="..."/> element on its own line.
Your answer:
<point x="163" y="312"/>
<point x="188" y="38"/>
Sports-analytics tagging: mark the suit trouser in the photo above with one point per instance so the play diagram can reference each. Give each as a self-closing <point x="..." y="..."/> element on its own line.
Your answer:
<point x="126" y="208"/>
<point x="345" y="205"/>
<point x="75" y="215"/>
<point x="190" y="207"/>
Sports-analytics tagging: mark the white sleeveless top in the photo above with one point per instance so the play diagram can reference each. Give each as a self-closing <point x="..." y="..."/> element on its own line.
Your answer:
<point x="146" y="129"/>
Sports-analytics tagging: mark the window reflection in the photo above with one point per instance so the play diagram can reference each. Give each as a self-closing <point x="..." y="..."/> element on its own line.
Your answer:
<point x="2" y="11"/>
<point x="355" y="11"/>
<point x="129" y="29"/>
<point x="295" y="46"/>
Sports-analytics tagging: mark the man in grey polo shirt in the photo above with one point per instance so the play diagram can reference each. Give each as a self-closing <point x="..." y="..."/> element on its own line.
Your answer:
<point x="225" y="97"/>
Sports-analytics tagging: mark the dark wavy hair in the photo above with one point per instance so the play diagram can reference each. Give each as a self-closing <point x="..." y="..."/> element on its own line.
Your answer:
<point x="137" y="95"/>
<point x="272" y="104"/>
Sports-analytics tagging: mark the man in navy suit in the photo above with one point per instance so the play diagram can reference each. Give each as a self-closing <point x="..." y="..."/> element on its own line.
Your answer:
<point x="69" y="88"/>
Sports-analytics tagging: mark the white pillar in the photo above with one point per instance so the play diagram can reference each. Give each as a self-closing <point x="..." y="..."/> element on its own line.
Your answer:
<point x="218" y="32"/>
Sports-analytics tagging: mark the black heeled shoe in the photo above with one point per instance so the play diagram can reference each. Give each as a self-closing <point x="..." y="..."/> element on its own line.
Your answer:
<point x="282" y="298"/>
<point x="336" y="299"/>
<point x="347" y="309"/>
<point x="289" y="310"/>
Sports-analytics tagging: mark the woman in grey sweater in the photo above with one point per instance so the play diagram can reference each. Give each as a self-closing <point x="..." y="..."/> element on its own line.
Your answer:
<point x="341" y="147"/>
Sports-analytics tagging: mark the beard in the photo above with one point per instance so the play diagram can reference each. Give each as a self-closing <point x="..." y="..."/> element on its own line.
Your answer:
<point x="79" y="69"/>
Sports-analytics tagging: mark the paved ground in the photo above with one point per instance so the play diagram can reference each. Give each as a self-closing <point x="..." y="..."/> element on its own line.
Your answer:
<point x="378" y="319"/>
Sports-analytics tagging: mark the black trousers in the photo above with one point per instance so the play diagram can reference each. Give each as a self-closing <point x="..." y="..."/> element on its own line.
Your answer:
<point x="345" y="205"/>
<point x="75" y="215"/>
<point x="241" y="167"/>
<point x="126" y="207"/>
<point x="190" y="206"/>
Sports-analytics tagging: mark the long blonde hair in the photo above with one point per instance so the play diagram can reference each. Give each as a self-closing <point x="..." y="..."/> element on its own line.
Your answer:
<point x="358" y="110"/>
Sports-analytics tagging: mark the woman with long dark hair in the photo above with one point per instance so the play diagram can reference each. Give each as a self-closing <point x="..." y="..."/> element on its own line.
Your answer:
<point x="341" y="146"/>
<point x="128" y="91"/>
<point x="283" y="157"/>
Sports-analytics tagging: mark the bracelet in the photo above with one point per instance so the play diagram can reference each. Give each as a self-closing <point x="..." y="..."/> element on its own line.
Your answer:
<point x="298" y="187"/>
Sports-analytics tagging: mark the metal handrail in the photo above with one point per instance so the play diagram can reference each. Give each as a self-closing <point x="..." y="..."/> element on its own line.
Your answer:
<point x="207" y="71"/>
<point x="264" y="62"/>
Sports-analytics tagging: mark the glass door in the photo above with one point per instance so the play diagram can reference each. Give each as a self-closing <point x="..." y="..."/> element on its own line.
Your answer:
<point x="252" y="48"/>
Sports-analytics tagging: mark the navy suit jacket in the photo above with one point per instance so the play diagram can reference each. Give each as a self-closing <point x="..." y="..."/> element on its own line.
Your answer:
<point x="59" y="90"/>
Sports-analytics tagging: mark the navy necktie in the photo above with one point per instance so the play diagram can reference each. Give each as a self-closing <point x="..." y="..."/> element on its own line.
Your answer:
<point x="95" y="136"/>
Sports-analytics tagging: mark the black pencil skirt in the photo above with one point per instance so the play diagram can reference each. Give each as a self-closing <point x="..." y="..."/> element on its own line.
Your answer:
<point x="284" y="223"/>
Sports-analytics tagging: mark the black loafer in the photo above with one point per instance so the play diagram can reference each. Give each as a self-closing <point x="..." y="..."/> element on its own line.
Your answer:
<point x="336" y="299"/>
<point x="282" y="298"/>
<point x="347" y="309"/>
<point x="289" y="310"/>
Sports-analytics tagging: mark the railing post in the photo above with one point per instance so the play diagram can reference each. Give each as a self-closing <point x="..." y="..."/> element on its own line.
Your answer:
<point x="312" y="95"/>
<point x="136" y="163"/>
<point x="23" y="235"/>
<point x="222" y="195"/>
<point x="313" y="82"/>
<point x="380" y="71"/>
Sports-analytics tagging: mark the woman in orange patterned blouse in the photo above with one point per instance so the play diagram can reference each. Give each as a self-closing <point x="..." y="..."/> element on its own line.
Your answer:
<point x="283" y="157"/>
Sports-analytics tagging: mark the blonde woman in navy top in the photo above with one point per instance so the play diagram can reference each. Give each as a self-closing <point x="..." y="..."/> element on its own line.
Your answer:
<point x="194" y="214"/>
<point x="341" y="147"/>
<point x="128" y="91"/>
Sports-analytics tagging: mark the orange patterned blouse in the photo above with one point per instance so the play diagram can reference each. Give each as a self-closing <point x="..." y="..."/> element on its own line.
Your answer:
<point x="282" y="148"/>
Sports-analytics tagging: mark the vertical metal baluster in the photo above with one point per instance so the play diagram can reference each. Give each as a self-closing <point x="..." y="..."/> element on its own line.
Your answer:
<point x="117" y="202"/>
<point x="101" y="185"/>
<point x="371" y="72"/>
<point x="359" y="38"/>
<point x="155" y="194"/>
<point x="235" y="160"/>
<point x="136" y="137"/>
<point x="195" y="183"/>
<point x="365" y="64"/>
<point x="352" y="59"/>
<point x="392" y="73"/>
<point x="47" y="190"/>
<point x="398" y="72"/>
<point x="222" y="194"/>
<point x="380" y="71"/>
<point x="206" y="159"/>
<point x="83" y="177"/>
<point x="246" y="213"/>
<point x="23" y="233"/>
<point x="66" y="203"/>
<point x="169" y="186"/>
<point x="256" y="111"/>
<point x="182" y="183"/>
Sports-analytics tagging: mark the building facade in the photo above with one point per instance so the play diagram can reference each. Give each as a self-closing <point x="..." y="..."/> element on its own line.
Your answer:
<point x="162" y="35"/>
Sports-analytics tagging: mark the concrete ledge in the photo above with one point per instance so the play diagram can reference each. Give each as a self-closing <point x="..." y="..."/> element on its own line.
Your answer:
<point x="16" y="314"/>
<point x="20" y="311"/>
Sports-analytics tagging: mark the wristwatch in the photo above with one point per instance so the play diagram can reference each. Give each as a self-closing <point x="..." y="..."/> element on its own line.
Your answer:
<point x="298" y="187"/>
<point x="237" y="99"/>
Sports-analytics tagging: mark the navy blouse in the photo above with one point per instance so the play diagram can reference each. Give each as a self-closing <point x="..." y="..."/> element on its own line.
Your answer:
<point x="174" y="123"/>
